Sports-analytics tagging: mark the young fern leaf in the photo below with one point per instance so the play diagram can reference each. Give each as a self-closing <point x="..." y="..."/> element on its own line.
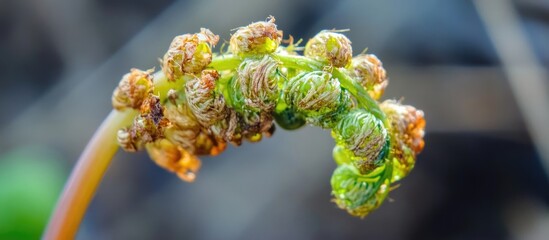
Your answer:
<point x="200" y="101"/>
<point x="239" y="95"/>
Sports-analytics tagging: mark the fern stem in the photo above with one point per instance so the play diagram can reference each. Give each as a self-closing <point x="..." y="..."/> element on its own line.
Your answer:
<point x="86" y="176"/>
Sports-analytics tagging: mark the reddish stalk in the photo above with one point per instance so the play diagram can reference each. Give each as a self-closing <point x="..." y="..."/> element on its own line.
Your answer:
<point x="86" y="176"/>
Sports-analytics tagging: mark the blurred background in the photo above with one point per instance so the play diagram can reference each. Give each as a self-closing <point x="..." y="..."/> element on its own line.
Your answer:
<point x="477" y="68"/>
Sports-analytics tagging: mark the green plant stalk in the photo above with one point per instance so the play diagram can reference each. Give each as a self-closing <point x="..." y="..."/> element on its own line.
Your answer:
<point x="227" y="62"/>
<point x="360" y="94"/>
<point x="98" y="154"/>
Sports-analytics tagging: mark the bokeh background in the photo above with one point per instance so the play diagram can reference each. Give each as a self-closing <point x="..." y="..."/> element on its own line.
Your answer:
<point x="481" y="175"/>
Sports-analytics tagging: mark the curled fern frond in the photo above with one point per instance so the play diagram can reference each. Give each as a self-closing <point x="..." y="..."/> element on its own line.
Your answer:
<point x="205" y="100"/>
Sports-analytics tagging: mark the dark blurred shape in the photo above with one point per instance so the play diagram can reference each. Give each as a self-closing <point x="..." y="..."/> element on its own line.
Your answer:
<point x="481" y="174"/>
<point x="43" y="41"/>
<point x="447" y="32"/>
<point x="29" y="63"/>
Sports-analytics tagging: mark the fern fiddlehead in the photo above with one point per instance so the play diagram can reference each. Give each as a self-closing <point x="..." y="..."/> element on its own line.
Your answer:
<point x="206" y="100"/>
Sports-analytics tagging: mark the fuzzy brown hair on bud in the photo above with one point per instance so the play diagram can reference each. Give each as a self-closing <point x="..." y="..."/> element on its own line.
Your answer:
<point x="368" y="71"/>
<point x="407" y="122"/>
<point x="257" y="38"/>
<point x="315" y="94"/>
<point x="147" y="127"/>
<point x="183" y="128"/>
<point x="406" y="128"/>
<point x="207" y="106"/>
<point x="186" y="131"/>
<point x="365" y="136"/>
<point x="257" y="83"/>
<point x="133" y="89"/>
<point x="331" y="47"/>
<point x="189" y="54"/>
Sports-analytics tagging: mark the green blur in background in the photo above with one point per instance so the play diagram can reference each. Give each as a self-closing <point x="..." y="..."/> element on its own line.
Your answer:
<point x="30" y="182"/>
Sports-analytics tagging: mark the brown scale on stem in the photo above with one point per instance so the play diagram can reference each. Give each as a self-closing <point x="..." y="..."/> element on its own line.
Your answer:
<point x="147" y="127"/>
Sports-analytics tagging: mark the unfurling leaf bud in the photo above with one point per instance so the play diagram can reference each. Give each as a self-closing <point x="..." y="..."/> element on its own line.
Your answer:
<point x="206" y="101"/>
<point x="368" y="71"/>
<point x="184" y="127"/>
<point x="365" y="137"/>
<point x="174" y="159"/>
<point x="358" y="193"/>
<point x="229" y="129"/>
<point x="142" y="131"/>
<point x="254" y="124"/>
<point x="256" y="85"/>
<point x="134" y="87"/>
<point x="331" y="47"/>
<point x="189" y="54"/>
<point x="407" y="128"/>
<point x="127" y="140"/>
<point x="257" y="38"/>
<point x="316" y="95"/>
<point x="186" y="131"/>
<point x="147" y="127"/>
<point x="207" y="106"/>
